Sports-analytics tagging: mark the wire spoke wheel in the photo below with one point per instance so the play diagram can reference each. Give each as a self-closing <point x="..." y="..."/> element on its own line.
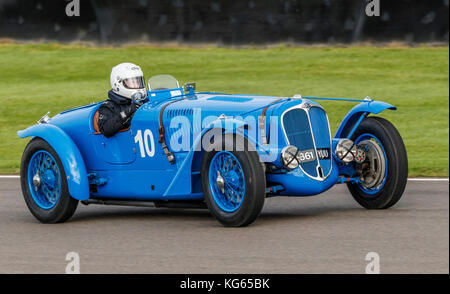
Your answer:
<point x="44" y="179"/>
<point x="384" y="173"/>
<point x="233" y="182"/>
<point x="44" y="183"/>
<point x="227" y="181"/>
<point x="374" y="171"/>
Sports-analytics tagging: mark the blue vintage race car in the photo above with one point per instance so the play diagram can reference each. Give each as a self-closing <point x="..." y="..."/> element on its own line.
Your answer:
<point x="224" y="152"/>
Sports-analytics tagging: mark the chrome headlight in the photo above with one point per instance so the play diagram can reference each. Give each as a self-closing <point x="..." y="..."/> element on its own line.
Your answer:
<point x="289" y="157"/>
<point x="345" y="150"/>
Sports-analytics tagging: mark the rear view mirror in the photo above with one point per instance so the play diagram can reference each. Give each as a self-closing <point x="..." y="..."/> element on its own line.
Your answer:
<point x="189" y="87"/>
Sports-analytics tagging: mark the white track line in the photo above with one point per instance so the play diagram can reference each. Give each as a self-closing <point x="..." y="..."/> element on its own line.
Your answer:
<point x="409" y="179"/>
<point x="429" y="179"/>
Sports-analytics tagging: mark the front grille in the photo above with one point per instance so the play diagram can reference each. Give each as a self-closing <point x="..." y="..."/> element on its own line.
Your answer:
<point x="321" y="130"/>
<point x="308" y="128"/>
<point x="298" y="132"/>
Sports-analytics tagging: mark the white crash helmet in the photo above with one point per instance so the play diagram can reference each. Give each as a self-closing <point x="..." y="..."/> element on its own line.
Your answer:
<point x="127" y="80"/>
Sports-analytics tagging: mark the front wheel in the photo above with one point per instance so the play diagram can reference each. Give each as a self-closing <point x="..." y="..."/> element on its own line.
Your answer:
<point x="233" y="183"/>
<point x="44" y="183"/>
<point x="384" y="174"/>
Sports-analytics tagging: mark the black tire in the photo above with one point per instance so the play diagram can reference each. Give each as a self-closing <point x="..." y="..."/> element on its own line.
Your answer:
<point x="397" y="165"/>
<point x="255" y="184"/>
<point x="65" y="206"/>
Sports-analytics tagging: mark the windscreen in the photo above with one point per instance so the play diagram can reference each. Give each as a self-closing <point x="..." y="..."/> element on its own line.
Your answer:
<point x="162" y="82"/>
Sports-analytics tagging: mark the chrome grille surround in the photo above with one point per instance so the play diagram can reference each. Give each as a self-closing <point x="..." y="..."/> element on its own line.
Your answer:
<point x="306" y="106"/>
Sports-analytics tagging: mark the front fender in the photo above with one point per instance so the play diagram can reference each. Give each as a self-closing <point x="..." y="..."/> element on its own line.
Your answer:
<point x="70" y="156"/>
<point x="362" y="109"/>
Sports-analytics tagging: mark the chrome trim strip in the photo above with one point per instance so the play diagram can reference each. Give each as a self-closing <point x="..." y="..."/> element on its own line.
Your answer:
<point x="306" y="109"/>
<point x="329" y="136"/>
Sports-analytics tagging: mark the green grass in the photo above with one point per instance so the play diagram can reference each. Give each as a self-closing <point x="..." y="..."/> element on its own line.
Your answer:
<point x="51" y="77"/>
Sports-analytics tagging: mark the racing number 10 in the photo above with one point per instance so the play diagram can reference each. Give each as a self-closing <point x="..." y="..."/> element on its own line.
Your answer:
<point x="143" y="143"/>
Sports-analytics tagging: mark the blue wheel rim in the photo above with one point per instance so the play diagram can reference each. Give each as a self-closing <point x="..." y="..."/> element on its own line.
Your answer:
<point x="232" y="195"/>
<point x="47" y="193"/>
<point x="373" y="191"/>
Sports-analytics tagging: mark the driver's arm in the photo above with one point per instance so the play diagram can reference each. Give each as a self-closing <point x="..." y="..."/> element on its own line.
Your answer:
<point x="109" y="122"/>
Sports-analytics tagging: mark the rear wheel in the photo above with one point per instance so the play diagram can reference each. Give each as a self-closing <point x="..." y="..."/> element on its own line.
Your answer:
<point x="44" y="183"/>
<point x="233" y="183"/>
<point x="385" y="171"/>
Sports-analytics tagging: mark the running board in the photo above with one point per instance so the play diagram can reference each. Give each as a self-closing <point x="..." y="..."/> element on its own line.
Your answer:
<point x="199" y="204"/>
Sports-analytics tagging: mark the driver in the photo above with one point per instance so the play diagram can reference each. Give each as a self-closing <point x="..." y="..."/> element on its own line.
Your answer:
<point x="128" y="93"/>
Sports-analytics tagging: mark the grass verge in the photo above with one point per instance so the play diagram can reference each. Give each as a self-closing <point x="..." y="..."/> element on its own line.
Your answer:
<point x="37" y="78"/>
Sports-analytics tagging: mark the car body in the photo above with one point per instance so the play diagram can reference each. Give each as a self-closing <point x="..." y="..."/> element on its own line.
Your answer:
<point x="132" y="167"/>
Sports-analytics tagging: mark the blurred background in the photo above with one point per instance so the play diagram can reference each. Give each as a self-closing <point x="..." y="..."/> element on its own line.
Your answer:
<point x="226" y="21"/>
<point x="50" y="61"/>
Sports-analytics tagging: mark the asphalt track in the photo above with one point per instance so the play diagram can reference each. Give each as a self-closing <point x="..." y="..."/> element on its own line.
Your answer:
<point x="328" y="233"/>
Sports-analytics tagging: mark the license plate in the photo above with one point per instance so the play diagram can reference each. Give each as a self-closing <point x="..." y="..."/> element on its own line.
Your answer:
<point x="306" y="156"/>
<point x="323" y="153"/>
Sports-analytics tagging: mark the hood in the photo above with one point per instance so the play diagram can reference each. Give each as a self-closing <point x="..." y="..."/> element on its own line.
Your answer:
<point x="217" y="104"/>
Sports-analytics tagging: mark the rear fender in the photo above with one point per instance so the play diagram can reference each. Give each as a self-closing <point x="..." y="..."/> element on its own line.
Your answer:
<point x="357" y="113"/>
<point x="70" y="156"/>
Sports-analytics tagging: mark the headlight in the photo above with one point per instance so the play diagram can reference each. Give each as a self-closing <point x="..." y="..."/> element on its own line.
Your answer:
<point x="345" y="150"/>
<point x="289" y="157"/>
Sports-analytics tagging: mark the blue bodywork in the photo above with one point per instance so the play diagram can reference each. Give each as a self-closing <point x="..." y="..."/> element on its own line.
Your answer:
<point x="68" y="152"/>
<point x="353" y="117"/>
<point x="132" y="164"/>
